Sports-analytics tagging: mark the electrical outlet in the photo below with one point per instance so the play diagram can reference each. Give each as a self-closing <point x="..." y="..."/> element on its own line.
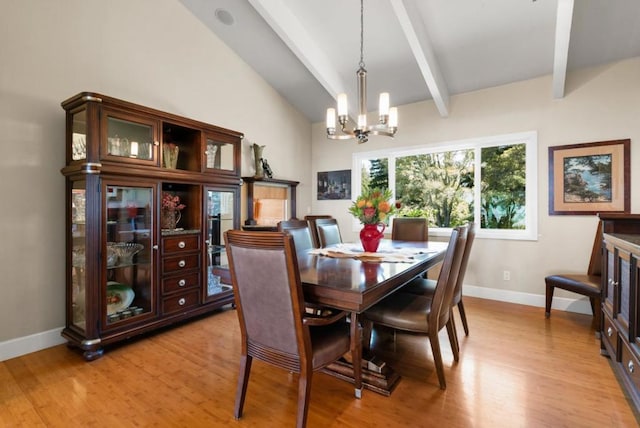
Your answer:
<point x="506" y="275"/>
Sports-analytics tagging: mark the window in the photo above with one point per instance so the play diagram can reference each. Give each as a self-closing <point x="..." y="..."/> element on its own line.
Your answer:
<point x="491" y="181"/>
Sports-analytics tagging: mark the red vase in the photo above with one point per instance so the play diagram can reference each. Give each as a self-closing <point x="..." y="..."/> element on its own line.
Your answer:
<point x="370" y="236"/>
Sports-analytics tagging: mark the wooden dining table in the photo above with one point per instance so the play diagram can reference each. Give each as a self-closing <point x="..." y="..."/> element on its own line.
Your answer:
<point x="354" y="284"/>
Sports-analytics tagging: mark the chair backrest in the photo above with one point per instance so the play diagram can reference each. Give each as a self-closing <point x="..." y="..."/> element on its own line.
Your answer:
<point x="328" y="232"/>
<point x="269" y="298"/>
<point x="445" y="286"/>
<point x="471" y="234"/>
<point x="595" y="262"/>
<point x="314" y="230"/>
<point x="410" y="229"/>
<point x="300" y="231"/>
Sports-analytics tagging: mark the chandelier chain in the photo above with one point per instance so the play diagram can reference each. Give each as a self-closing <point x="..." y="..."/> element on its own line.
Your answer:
<point x="361" y="64"/>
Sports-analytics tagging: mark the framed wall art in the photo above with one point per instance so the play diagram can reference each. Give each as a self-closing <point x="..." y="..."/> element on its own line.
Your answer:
<point x="588" y="178"/>
<point x="334" y="184"/>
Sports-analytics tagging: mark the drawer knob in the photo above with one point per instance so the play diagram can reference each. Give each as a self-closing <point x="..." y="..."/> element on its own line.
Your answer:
<point x="609" y="332"/>
<point x="630" y="366"/>
<point x="182" y="283"/>
<point x="181" y="244"/>
<point x="182" y="263"/>
<point x="182" y="301"/>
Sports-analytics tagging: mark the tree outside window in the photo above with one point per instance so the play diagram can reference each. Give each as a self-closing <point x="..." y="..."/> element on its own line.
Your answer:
<point x="490" y="181"/>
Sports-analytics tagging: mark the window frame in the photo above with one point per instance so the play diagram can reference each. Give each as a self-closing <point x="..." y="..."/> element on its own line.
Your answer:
<point x="529" y="138"/>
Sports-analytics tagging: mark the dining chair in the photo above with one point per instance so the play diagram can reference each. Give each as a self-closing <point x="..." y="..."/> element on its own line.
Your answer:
<point x="426" y="287"/>
<point x="312" y="226"/>
<point x="328" y="232"/>
<point x="422" y="314"/>
<point x="589" y="284"/>
<point x="300" y="231"/>
<point x="274" y="328"/>
<point x="410" y="229"/>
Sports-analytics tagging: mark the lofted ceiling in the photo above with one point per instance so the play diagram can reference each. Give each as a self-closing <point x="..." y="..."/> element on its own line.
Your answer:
<point x="416" y="50"/>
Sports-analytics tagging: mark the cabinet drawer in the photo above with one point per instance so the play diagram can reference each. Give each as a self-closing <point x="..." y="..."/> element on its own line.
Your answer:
<point x="610" y="337"/>
<point x="631" y="365"/>
<point x="180" y="302"/>
<point x="180" y="282"/>
<point x="180" y="243"/>
<point x="180" y="263"/>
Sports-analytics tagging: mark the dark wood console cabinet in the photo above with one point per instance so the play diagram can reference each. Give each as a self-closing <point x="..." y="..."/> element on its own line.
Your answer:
<point x="620" y="331"/>
<point x="131" y="268"/>
<point x="253" y="185"/>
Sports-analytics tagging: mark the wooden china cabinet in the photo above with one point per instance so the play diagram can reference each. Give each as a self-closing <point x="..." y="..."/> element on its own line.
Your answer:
<point x="131" y="270"/>
<point x="620" y="330"/>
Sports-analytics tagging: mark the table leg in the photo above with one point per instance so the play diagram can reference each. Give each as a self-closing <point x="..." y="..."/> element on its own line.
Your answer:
<point x="356" y="353"/>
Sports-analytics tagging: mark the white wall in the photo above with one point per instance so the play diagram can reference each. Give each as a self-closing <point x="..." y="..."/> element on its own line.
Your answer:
<point x="601" y="104"/>
<point x="150" y="52"/>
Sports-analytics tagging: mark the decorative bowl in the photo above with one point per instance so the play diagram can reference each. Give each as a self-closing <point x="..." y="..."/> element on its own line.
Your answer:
<point x="125" y="250"/>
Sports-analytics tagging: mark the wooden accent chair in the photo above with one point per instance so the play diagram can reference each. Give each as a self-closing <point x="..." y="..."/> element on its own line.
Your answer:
<point x="328" y="232"/>
<point x="589" y="285"/>
<point x="410" y="229"/>
<point x="274" y="328"/>
<point x="422" y="314"/>
<point x="314" y="230"/>
<point x="300" y="231"/>
<point x="427" y="287"/>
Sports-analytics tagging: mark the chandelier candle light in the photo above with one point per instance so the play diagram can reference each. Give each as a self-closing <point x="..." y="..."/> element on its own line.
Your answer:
<point x="387" y="119"/>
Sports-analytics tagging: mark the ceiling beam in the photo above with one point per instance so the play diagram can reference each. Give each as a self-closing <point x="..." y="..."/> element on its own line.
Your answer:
<point x="287" y="26"/>
<point x="420" y="44"/>
<point x="564" y="20"/>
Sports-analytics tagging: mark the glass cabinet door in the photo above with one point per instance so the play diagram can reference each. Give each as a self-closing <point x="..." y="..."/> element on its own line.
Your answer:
<point x="79" y="136"/>
<point x="219" y="155"/>
<point x="128" y="257"/>
<point x="78" y="254"/>
<point x="220" y="218"/>
<point x="131" y="137"/>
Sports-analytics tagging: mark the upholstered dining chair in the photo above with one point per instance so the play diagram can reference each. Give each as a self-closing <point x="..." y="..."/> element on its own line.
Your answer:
<point x="422" y="314"/>
<point x="328" y="232"/>
<point x="410" y="229"/>
<point x="312" y="226"/>
<point x="300" y="231"/>
<point x="273" y="325"/>
<point x="589" y="284"/>
<point x="427" y="287"/>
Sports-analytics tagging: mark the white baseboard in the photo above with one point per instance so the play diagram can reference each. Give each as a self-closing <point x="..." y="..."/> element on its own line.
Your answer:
<point x="36" y="342"/>
<point x="578" y="305"/>
<point x="24" y="345"/>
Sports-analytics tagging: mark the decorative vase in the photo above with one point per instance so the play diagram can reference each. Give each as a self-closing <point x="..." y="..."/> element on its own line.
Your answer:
<point x="170" y="155"/>
<point x="257" y="157"/>
<point x="170" y="219"/>
<point x="370" y="236"/>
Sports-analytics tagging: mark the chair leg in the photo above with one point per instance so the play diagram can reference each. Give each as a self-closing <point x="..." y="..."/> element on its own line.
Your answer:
<point x="463" y="317"/>
<point x="453" y="338"/>
<point x="596" y="306"/>
<point x="437" y="358"/>
<point x="304" y="392"/>
<point x="243" y="381"/>
<point x="549" y="298"/>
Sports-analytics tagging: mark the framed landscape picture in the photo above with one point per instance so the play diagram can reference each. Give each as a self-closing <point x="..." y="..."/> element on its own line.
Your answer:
<point x="588" y="178"/>
<point x="334" y="184"/>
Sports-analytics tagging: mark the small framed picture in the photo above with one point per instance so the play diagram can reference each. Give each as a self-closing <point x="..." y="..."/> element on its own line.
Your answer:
<point x="334" y="184"/>
<point x="588" y="178"/>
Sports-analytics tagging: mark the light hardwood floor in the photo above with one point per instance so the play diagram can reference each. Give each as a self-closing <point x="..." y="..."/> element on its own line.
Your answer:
<point x="516" y="369"/>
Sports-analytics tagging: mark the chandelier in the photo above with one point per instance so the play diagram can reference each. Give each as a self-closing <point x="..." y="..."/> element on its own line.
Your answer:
<point x="388" y="117"/>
